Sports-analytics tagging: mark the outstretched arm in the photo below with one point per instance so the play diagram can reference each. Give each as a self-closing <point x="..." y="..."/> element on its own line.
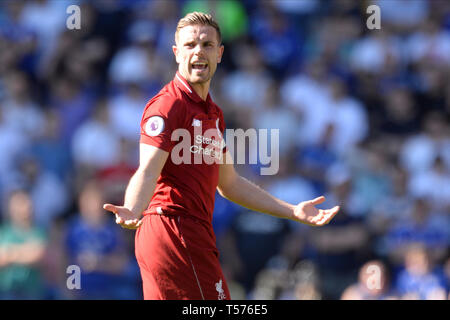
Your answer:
<point x="140" y="188"/>
<point x="236" y="188"/>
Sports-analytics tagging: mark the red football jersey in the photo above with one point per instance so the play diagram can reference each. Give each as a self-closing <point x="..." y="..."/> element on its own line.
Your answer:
<point x="186" y="188"/>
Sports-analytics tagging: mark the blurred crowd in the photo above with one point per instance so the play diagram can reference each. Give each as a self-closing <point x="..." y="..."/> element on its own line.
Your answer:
<point x="364" y="118"/>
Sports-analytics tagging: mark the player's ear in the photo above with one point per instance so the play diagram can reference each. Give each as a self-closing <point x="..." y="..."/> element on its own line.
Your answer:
<point x="221" y="48"/>
<point x="175" y="52"/>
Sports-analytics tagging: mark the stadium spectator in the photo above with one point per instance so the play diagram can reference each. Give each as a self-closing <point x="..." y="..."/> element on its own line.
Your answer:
<point x="373" y="284"/>
<point x="73" y="104"/>
<point x="257" y="239"/>
<point x="13" y="144"/>
<point x="433" y="184"/>
<point x="251" y="76"/>
<point x="95" y="245"/>
<point x="420" y="151"/>
<point x="164" y="16"/>
<point x="429" y="44"/>
<point x="46" y="30"/>
<point x="446" y="272"/>
<point x="417" y="280"/>
<point x="19" y="40"/>
<point x="349" y="118"/>
<point x="22" y="247"/>
<point x="137" y="62"/>
<point x="125" y="110"/>
<point x="404" y="15"/>
<point x="288" y="185"/>
<point x="395" y="206"/>
<point x="423" y="225"/>
<point x="48" y="192"/>
<point x="279" y="42"/>
<point x="114" y="178"/>
<point x="19" y="109"/>
<point x="339" y="248"/>
<point x="53" y="155"/>
<point x="306" y="280"/>
<point x="273" y="115"/>
<point x="303" y="90"/>
<point x="95" y="143"/>
<point x="399" y="115"/>
<point x="371" y="179"/>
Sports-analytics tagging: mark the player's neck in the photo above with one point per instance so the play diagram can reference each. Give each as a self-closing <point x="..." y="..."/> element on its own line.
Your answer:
<point x="201" y="89"/>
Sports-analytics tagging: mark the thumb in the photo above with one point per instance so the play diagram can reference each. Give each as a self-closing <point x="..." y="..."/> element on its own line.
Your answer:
<point x="110" y="207"/>
<point x="317" y="200"/>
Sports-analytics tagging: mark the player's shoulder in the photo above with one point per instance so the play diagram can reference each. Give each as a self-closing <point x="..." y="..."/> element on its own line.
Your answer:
<point x="166" y="102"/>
<point x="217" y="109"/>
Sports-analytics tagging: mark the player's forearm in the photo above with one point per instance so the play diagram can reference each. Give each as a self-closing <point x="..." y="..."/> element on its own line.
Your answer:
<point x="139" y="191"/>
<point x="249" y="195"/>
<point x="26" y="254"/>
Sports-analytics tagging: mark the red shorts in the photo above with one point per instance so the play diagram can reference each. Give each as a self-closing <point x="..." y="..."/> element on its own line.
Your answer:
<point x="178" y="259"/>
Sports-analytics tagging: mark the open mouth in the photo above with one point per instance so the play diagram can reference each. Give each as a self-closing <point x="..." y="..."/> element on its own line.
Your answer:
<point x="199" y="66"/>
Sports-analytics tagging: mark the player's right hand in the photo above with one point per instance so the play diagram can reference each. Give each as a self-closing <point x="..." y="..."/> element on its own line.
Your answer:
<point x="124" y="216"/>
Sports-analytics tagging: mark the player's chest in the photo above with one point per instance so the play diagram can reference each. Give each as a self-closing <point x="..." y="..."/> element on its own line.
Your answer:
<point x="205" y="124"/>
<point x="200" y="141"/>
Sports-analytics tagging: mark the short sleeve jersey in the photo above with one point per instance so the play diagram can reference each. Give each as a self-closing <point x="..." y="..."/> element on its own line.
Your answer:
<point x="191" y="129"/>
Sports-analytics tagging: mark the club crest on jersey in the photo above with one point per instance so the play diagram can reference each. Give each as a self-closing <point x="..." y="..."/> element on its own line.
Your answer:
<point x="220" y="290"/>
<point x="154" y="126"/>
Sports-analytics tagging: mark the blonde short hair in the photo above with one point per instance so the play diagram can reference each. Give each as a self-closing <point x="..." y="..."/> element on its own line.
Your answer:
<point x="198" y="18"/>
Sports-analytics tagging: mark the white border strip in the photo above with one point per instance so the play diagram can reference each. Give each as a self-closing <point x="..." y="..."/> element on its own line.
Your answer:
<point x="184" y="84"/>
<point x="192" y="264"/>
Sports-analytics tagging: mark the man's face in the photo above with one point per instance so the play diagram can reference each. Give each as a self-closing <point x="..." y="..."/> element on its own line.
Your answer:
<point x="197" y="53"/>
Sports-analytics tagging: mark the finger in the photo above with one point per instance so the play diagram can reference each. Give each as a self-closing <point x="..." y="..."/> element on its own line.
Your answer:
<point x="331" y="213"/>
<point x="325" y="216"/>
<point x="317" y="200"/>
<point x="131" y="222"/>
<point x="316" y="220"/>
<point x="110" y="207"/>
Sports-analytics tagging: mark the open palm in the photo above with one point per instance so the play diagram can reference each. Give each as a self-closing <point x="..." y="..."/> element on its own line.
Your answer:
<point x="307" y="213"/>
<point x="124" y="216"/>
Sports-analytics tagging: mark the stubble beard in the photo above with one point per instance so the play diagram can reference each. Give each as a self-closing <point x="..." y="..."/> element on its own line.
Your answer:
<point x="195" y="79"/>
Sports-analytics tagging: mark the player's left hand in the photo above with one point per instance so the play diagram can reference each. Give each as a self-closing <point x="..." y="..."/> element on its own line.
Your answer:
<point x="307" y="213"/>
<point x="124" y="217"/>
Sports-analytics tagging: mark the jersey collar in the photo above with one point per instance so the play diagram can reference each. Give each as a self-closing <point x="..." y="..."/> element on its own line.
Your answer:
<point x="184" y="86"/>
